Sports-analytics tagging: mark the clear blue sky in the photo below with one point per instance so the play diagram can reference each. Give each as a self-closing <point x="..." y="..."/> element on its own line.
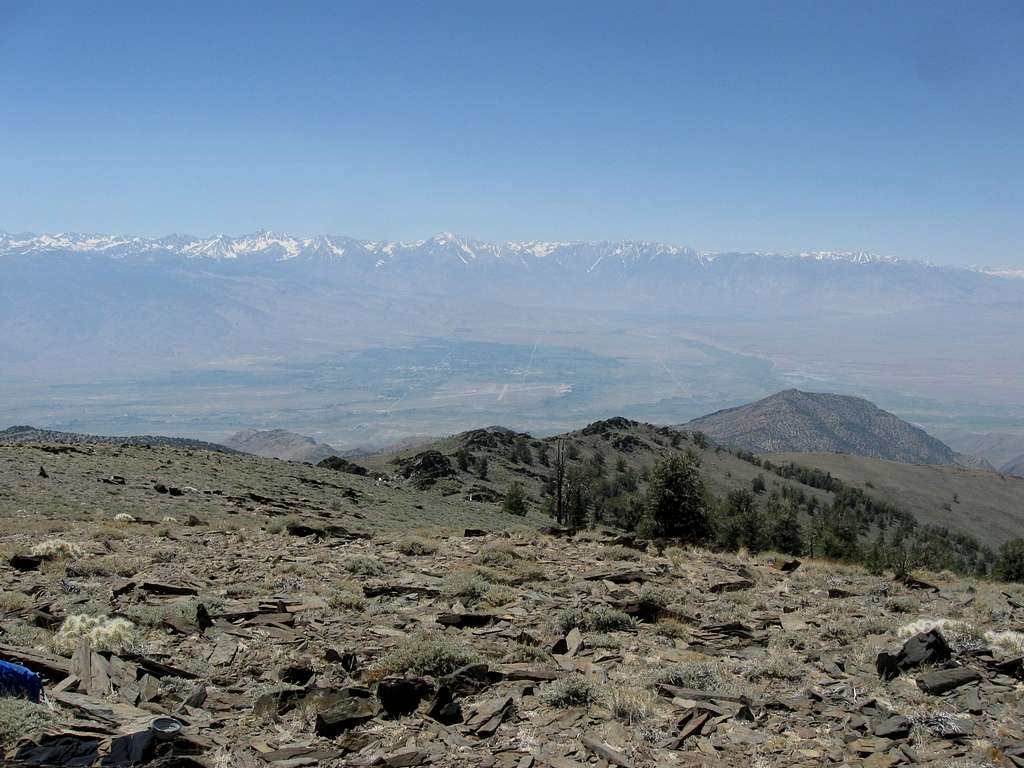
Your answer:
<point x="895" y="127"/>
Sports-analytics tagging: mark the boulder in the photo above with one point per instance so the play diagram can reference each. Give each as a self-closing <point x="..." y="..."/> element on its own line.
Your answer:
<point x="425" y="468"/>
<point x="923" y="648"/>
<point x="344" y="715"/>
<point x="339" y="464"/>
<point x="402" y="695"/>
<point x="444" y="708"/>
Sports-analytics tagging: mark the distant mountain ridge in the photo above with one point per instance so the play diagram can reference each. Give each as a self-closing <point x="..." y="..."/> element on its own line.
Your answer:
<point x="22" y="434"/>
<point x="1002" y="450"/>
<point x="631" y="275"/>
<point x="1014" y="466"/>
<point x="282" y="247"/>
<point x="793" y="421"/>
<point x="281" y="444"/>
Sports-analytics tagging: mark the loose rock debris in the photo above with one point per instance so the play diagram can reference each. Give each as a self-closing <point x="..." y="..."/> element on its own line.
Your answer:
<point x="279" y="650"/>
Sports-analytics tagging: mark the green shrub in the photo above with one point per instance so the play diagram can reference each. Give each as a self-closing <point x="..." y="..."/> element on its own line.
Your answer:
<point x="425" y="654"/>
<point x="602" y="619"/>
<point x="618" y="552"/>
<point x="20" y="717"/>
<point x="521" y="652"/>
<point x="498" y="554"/>
<point x="364" y="566"/>
<point x="155" y="615"/>
<point x="347" y="594"/>
<point x="472" y="587"/>
<point x="416" y="546"/>
<point x="699" y="675"/>
<point x="572" y="691"/>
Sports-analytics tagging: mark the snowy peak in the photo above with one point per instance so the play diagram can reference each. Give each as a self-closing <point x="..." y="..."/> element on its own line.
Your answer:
<point x="445" y="249"/>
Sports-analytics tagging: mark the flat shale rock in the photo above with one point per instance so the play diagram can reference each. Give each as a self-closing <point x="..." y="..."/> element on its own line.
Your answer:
<point x="345" y="715"/>
<point x="489" y="715"/>
<point x="942" y="680"/>
<point x="893" y="727"/>
<point x="615" y="575"/>
<point x="467" y="620"/>
<point x="731" y="586"/>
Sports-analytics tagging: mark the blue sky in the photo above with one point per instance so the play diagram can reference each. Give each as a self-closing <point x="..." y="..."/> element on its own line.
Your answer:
<point x="891" y="127"/>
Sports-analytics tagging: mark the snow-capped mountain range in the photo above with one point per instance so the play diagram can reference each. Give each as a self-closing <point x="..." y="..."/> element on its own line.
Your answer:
<point x="625" y="276"/>
<point x="283" y="247"/>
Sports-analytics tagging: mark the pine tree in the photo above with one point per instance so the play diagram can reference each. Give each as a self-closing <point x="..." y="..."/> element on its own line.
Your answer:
<point x="1010" y="565"/>
<point x="542" y="454"/>
<point x="577" y="501"/>
<point x="515" y="499"/>
<point x="676" y="501"/>
<point x="785" y="533"/>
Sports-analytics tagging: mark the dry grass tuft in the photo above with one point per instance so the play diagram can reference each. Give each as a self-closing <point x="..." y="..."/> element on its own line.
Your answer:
<point x="104" y="634"/>
<point x="619" y="552"/>
<point x="777" y="664"/>
<point x="107" y="565"/>
<point x="702" y="676"/>
<point x="58" y="549"/>
<point x="14" y="601"/>
<point x="630" y="704"/>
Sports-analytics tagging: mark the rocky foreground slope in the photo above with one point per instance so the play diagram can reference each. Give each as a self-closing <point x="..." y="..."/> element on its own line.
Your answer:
<point x="329" y="638"/>
<point x="522" y="649"/>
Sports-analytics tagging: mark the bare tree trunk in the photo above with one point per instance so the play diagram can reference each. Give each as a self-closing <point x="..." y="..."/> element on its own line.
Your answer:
<point x="560" y="481"/>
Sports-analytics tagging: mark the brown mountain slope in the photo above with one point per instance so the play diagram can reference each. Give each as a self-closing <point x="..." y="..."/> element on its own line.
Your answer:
<point x="280" y="444"/>
<point x="1014" y="467"/>
<point x="985" y="505"/>
<point x="811" y="422"/>
<point x="998" y="448"/>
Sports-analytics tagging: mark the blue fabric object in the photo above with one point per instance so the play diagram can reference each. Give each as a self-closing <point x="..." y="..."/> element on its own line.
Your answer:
<point x="16" y="680"/>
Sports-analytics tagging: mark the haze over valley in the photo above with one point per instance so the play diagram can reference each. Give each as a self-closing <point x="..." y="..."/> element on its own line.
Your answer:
<point x="363" y="343"/>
